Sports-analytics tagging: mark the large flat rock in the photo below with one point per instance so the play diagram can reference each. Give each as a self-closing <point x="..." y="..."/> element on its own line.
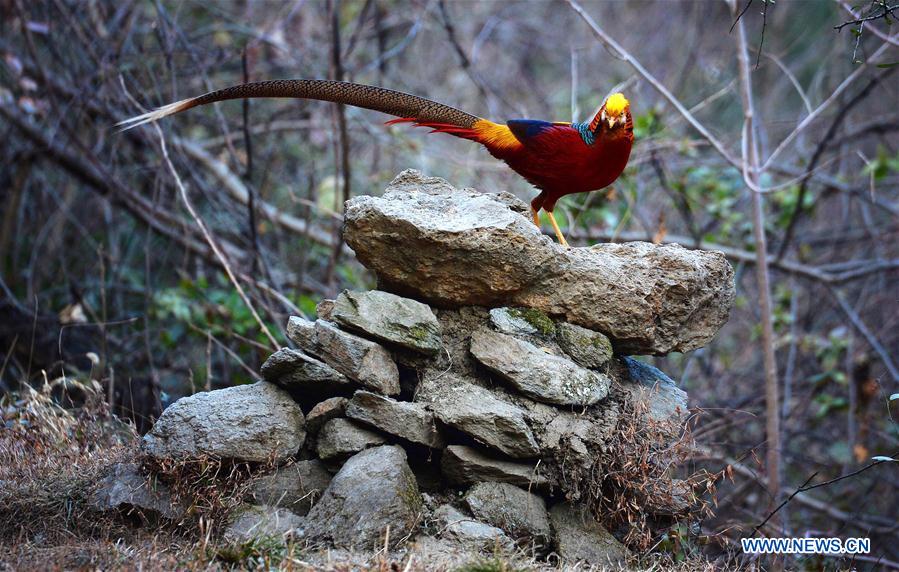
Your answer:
<point x="250" y="523"/>
<point x="295" y="487"/>
<point x="463" y="465"/>
<point x="389" y="318"/>
<point x="663" y="400"/>
<point x="295" y="371"/>
<point x="128" y="489"/>
<point x="539" y="375"/>
<point x="410" y="421"/>
<point x="364" y="361"/>
<point x="339" y="438"/>
<point x="324" y="411"/>
<point x="254" y="423"/>
<point x="450" y="247"/>
<point x="478" y="413"/>
<point x="580" y="539"/>
<point x="519" y="513"/>
<point x="465" y="529"/>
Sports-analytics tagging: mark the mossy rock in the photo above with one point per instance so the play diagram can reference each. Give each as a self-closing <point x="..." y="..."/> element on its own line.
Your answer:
<point x="587" y="348"/>
<point x="523" y="321"/>
<point x="389" y="318"/>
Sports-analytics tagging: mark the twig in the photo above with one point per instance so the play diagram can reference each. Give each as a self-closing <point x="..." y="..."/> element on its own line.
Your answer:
<point x="212" y="244"/>
<point x="816" y="156"/>
<point x="680" y="199"/>
<point x="740" y="15"/>
<point x="792" y="77"/>
<point x="887" y="11"/>
<point x="806" y="487"/>
<point x="611" y="44"/>
<point x="811" y="117"/>
<point x="867" y="523"/>
<point x="235" y="187"/>
<point x="253" y="373"/>
<point x="248" y="173"/>
<point x="876" y="560"/>
<point x="888" y="39"/>
<point x="864" y="331"/>
<point x="346" y="173"/>
<point x="811" y="272"/>
<point x="783" y="504"/>
<point x="463" y="58"/>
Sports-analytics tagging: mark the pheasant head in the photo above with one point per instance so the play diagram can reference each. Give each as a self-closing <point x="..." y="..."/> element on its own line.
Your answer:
<point x="613" y="116"/>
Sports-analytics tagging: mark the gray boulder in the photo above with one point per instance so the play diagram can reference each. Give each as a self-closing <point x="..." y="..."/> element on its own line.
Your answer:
<point x="586" y="347"/>
<point x="465" y="529"/>
<point x="374" y="490"/>
<point x="295" y="487"/>
<point x="294" y="370"/>
<point x="340" y="438"/>
<point x="664" y="402"/>
<point x="539" y="375"/>
<point x="254" y="423"/>
<point x="477" y="249"/>
<point x="252" y="522"/>
<point x="579" y="538"/>
<point x="462" y="465"/>
<point x="126" y="487"/>
<point x="469" y="249"/>
<point x="361" y="360"/>
<point x="519" y="513"/>
<point x="323" y="412"/>
<point x="410" y="421"/>
<point x="389" y="318"/>
<point x="477" y="412"/>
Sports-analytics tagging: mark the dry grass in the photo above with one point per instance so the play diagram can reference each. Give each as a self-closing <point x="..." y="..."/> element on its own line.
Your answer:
<point x="633" y="482"/>
<point x="50" y="460"/>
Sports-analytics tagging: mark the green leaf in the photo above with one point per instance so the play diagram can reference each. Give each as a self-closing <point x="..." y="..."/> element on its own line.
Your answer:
<point x="890" y="65"/>
<point x="884" y="458"/>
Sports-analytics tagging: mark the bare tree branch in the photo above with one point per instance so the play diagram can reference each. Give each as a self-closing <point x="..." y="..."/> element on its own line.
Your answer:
<point x="831" y="99"/>
<point x="885" y="15"/>
<point x="614" y="46"/>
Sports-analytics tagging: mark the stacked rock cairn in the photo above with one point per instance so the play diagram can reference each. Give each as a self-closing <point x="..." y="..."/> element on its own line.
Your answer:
<point x="463" y="400"/>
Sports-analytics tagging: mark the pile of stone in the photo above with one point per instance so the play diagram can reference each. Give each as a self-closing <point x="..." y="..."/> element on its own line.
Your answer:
<point x="453" y="404"/>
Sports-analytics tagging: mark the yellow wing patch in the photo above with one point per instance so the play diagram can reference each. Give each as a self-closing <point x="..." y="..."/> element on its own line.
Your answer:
<point x="494" y="135"/>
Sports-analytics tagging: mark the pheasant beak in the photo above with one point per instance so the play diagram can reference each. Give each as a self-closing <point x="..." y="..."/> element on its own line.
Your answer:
<point x="612" y="120"/>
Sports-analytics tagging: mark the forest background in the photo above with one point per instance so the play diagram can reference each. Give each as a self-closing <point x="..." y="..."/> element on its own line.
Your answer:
<point x="106" y="272"/>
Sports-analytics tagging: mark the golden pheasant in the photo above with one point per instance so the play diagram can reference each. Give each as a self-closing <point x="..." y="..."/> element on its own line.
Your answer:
<point x="556" y="157"/>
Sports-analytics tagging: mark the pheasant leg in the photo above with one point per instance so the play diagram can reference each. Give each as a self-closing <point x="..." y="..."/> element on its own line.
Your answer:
<point x="559" y="235"/>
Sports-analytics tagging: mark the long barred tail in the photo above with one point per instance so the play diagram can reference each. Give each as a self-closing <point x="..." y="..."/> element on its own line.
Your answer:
<point x="388" y="101"/>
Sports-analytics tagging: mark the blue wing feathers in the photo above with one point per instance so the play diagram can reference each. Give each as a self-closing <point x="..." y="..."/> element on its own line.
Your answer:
<point x="525" y="129"/>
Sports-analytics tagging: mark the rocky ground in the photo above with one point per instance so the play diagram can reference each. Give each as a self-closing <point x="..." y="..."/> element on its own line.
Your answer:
<point x="482" y="401"/>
